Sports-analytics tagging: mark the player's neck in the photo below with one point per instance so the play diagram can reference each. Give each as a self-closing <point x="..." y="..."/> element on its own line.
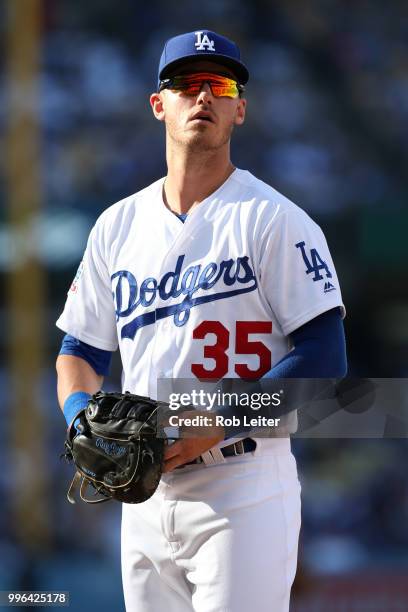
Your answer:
<point x="191" y="179"/>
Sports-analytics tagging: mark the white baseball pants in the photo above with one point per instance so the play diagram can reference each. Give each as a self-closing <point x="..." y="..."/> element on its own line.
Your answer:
<point x="218" y="538"/>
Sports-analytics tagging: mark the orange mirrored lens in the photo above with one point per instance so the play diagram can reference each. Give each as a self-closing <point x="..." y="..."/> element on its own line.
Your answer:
<point x="191" y="84"/>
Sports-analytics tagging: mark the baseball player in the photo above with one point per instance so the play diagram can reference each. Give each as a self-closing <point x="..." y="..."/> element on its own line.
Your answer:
<point x="207" y="273"/>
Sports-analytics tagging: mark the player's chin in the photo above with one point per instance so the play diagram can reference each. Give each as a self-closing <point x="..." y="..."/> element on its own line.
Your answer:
<point x="209" y="132"/>
<point x="200" y="139"/>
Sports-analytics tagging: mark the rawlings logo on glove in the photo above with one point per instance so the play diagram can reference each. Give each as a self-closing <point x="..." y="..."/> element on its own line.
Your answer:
<point x="110" y="448"/>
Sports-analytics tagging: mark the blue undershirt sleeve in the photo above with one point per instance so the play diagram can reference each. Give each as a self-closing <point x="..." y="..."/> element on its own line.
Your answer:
<point x="98" y="359"/>
<point x="319" y="350"/>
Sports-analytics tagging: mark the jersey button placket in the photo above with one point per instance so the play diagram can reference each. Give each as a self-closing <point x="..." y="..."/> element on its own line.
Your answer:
<point x="163" y="348"/>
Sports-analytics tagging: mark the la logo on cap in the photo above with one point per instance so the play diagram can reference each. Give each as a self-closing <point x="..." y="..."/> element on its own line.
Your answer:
<point x="203" y="42"/>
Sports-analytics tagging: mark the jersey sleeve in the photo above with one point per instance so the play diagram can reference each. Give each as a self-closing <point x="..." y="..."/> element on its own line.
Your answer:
<point x="297" y="274"/>
<point x="89" y="312"/>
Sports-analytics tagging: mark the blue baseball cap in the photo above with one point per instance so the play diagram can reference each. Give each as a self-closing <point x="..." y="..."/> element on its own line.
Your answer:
<point x="198" y="45"/>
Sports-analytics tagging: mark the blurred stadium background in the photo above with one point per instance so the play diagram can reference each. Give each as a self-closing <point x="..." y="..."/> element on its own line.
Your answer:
<point x="327" y="126"/>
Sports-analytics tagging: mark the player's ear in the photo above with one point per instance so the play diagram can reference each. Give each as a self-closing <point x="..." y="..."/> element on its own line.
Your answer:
<point x="156" y="102"/>
<point x="240" y="112"/>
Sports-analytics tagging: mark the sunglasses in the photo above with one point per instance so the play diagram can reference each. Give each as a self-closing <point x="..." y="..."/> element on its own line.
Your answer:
<point x="191" y="84"/>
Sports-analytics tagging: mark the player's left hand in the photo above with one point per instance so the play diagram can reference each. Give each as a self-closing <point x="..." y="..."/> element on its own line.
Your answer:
<point x="189" y="448"/>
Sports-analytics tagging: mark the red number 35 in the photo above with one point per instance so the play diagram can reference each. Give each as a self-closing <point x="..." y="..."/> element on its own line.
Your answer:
<point x="243" y="346"/>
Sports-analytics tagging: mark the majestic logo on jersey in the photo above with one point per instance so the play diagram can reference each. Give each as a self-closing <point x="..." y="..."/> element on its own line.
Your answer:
<point x="203" y="42"/>
<point x="328" y="287"/>
<point x="185" y="284"/>
<point x="315" y="263"/>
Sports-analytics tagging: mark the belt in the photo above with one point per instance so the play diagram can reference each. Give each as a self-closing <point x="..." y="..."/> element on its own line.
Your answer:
<point x="247" y="445"/>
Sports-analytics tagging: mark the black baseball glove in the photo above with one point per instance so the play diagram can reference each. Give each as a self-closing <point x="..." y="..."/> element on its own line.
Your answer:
<point x="117" y="446"/>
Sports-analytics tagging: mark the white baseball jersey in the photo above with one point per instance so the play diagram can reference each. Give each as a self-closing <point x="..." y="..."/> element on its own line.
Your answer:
<point x="213" y="297"/>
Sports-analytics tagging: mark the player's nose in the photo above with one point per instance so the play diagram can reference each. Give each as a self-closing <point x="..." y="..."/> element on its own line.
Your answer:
<point x="205" y="94"/>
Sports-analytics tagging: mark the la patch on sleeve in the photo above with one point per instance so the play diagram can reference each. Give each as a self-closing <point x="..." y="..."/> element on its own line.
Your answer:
<point x="314" y="263"/>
